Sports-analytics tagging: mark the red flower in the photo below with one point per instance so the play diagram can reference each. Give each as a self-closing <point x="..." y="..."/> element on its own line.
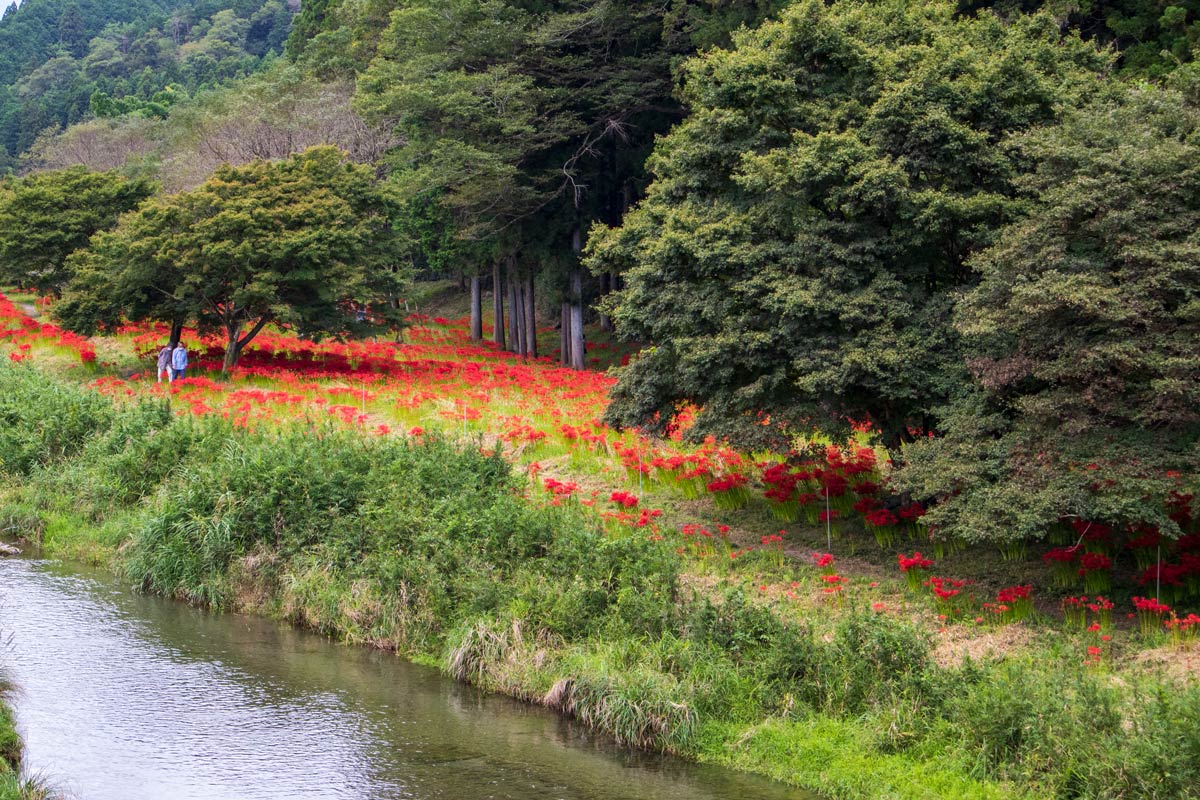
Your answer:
<point x="881" y="517"/>
<point x="1093" y="562"/>
<point x="915" y="561"/>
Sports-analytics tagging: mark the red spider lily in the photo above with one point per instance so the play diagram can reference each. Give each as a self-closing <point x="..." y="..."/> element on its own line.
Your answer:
<point x="560" y="488"/>
<point x="944" y="591"/>
<point x="914" y="562"/>
<point x="913" y="567"/>
<point x="1093" y="568"/>
<point x="834" y="587"/>
<point x="1013" y="604"/>
<point x="1183" y="630"/>
<point x="623" y="499"/>
<point x="1150" y="612"/>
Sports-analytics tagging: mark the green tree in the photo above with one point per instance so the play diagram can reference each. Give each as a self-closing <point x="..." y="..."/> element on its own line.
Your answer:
<point x="308" y="23"/>
<point x="529" y="120"/>
<point x="1082" y="335"/>
<point x="1153" y="37"/>
<point x="297" y="243"/>
<point x="809" y="225"/>
<point x="47" y="216"/>
<point x="71" y="31"/>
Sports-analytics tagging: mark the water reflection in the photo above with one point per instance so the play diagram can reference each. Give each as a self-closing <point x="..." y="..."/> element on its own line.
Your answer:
<point x="130" y="697"/>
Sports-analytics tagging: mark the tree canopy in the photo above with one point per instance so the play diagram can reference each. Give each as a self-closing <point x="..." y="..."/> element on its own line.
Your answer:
<point x="62" y="61"/>
<point x="1083" y="335"/>
<point x="810" y="222"/>
<point x="528" y="122"/>
<point x="47" y="216"/>
<point x="300" y="243"/>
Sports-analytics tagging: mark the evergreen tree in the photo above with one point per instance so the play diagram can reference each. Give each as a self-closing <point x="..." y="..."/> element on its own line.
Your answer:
<point x="810" y="223"/>
<point x="1082" y="336"/>
<point x="71" y="31"/>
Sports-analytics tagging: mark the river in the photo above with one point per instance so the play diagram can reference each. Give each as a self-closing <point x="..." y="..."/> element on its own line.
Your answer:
<point x="128" y="697"/>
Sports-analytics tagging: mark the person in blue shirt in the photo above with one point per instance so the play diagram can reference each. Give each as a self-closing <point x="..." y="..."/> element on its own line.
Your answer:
<point x="179" y="361"/>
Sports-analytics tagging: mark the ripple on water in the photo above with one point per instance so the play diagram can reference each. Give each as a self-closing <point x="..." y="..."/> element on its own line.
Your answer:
<point x="125" y="697"/>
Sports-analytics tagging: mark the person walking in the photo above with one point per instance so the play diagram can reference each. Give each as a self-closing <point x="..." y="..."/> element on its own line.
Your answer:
<point x="164" y="363"/>
<point x="179" y="361"/>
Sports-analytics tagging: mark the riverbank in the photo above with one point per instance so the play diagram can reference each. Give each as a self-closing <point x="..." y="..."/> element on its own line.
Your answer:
<point x="444" y="554"/>
<point x="10" y="750"/>
<point x="13" y="786"/>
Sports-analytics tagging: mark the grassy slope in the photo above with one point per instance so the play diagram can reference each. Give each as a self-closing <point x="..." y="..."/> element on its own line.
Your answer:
<point x="949" y="732"/>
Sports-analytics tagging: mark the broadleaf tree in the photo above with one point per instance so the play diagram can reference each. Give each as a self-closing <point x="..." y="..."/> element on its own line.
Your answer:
<point x="300" y="243"/>
<point x="49" y="215"/>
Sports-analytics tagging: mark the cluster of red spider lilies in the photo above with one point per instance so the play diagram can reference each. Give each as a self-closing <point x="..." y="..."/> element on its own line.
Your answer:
<point x="548" y="417"/>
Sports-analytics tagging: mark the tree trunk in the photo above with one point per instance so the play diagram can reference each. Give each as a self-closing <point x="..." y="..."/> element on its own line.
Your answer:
<point x="521" y="325"/>
<point x="577" y="344"/>
<point x="176" y="333"/>
<point x="576" y="330"/>
<point x="606" y="286"/>
<point x="564" y="346"/>
<point x="235" y="345"/>
<point x="476" y="310"/>
<point x="232" y="350"/>
<point x="515" y="314"/>
<point x="530" y="310"/>
<point x="498" y="305"/>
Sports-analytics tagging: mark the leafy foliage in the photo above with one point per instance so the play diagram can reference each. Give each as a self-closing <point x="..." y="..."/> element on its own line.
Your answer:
<point x="46" y="217"/>
<point x="1153" y="37"/>
<point x="1082" y="335"/>
<point x="525" y="123"/>
<point x="289" y="242"/>
<point x="42" y="422"/>
<point x="61" y="60"/>
<point x="810" y="222"/>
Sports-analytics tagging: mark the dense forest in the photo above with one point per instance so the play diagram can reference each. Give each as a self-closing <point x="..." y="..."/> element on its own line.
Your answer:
<point x="970" y="226"/>
<point x="62" y="62"/>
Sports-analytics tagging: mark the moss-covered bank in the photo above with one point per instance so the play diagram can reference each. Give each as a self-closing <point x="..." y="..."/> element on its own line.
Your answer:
<point x="433" y="550"/>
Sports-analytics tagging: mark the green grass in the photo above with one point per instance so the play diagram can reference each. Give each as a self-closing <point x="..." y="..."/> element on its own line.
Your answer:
<point x="838" y="757"/>
<point x="14" y="786"/>
<point x="434" y="550"/>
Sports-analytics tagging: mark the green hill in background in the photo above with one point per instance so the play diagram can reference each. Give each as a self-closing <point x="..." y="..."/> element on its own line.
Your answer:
<point x="62" y="61"/>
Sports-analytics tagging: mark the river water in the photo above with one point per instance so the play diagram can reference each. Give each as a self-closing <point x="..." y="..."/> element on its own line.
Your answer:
<point x="127" y="697"/>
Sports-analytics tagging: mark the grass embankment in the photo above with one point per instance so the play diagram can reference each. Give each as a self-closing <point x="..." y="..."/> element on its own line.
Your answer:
<point x="437" y="551"/>
<point x="10" y="754"/>
<point x="12" y="785"/>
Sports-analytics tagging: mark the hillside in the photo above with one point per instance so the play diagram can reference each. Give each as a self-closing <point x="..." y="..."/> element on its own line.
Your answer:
<point x="62" y="61"/>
